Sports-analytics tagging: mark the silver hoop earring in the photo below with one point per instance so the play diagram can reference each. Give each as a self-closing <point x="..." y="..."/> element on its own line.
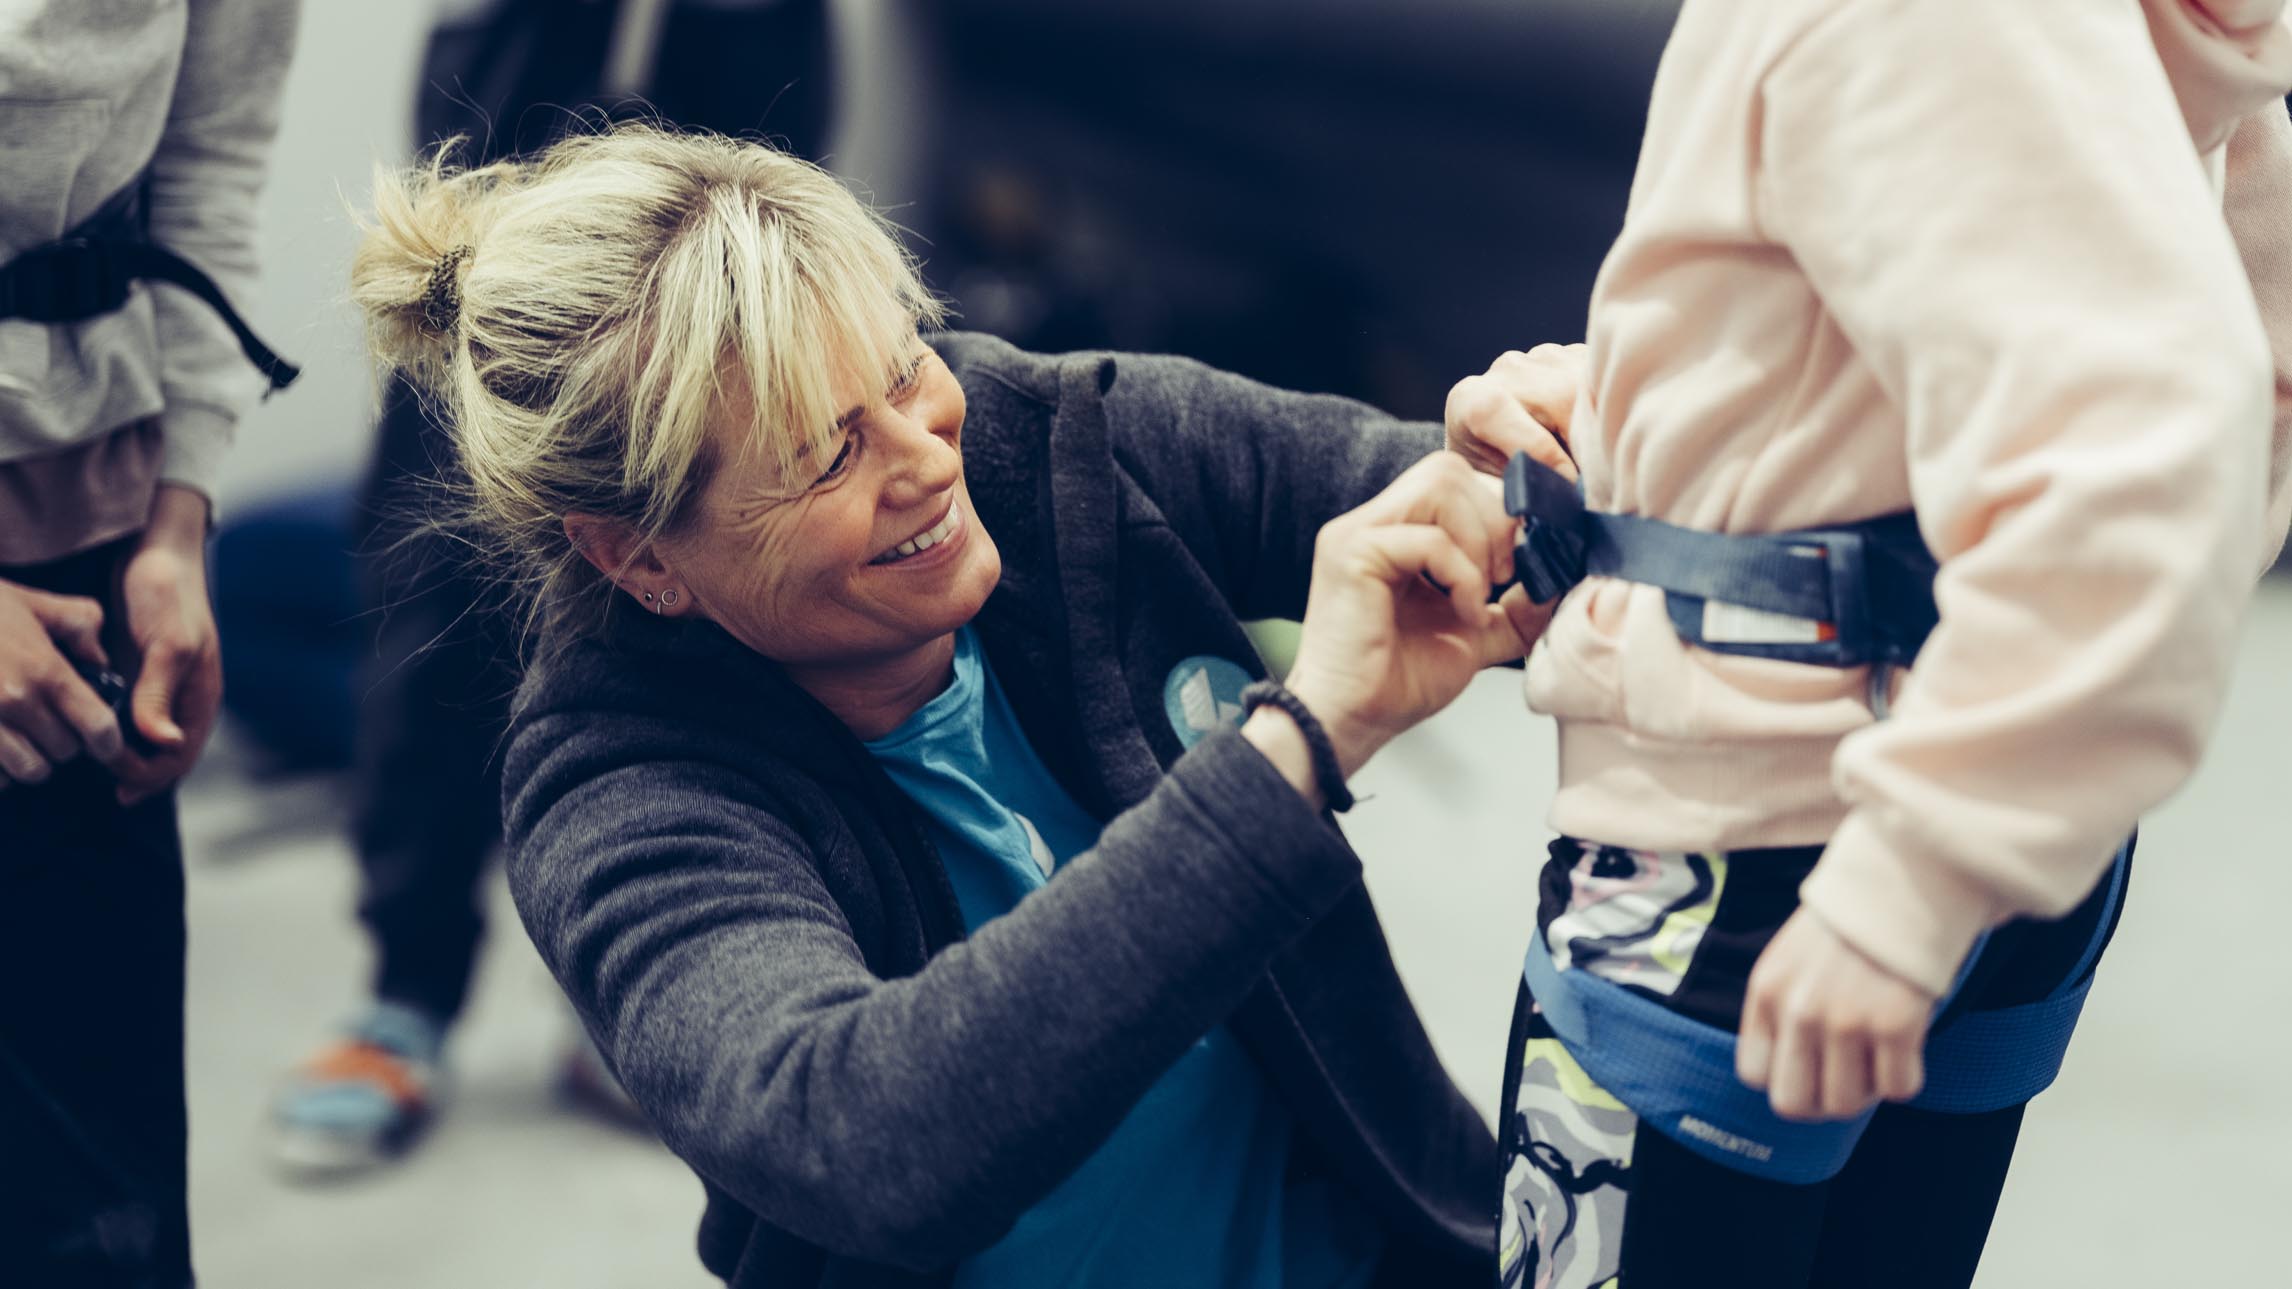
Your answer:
<point x="668" y="599"/>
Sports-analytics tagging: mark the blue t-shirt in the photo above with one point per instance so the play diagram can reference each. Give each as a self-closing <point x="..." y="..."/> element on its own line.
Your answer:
<point x="1192" y="1187"/>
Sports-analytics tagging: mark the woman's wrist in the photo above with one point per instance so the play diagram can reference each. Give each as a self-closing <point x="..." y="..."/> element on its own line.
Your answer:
<point x="1284" y="742"/>
<point x="1353" y="740"/>
<point x="1328" y="772"/>
<point x="1277" y="738"/>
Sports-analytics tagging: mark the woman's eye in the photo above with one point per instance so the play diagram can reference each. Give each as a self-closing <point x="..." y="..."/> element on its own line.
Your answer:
<point x="842" y="461"/>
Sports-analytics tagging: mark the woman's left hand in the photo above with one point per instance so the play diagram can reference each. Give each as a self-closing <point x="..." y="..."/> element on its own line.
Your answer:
<point x="1397" y="619"/>
<point x="1827" y="1033"/>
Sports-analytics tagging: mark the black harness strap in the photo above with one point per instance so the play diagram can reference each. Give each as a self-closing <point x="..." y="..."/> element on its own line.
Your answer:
<point x="86" y="274"/>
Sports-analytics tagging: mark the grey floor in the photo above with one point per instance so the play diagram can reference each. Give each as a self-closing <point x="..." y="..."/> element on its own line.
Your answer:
<point x="2160" y="1158"/>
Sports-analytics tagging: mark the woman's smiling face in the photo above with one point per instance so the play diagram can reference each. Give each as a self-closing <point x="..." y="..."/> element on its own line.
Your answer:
<point x="861" y="559"/>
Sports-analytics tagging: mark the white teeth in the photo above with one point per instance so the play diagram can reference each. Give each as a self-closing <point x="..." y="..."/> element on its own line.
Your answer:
<point x="922" y="541"/>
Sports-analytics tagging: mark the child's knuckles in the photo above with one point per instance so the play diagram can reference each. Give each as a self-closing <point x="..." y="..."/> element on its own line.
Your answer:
<point x="1476" y="401"/>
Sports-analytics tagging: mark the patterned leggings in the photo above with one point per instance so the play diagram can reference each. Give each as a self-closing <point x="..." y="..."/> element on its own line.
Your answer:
<point x="1595" y="1198"/>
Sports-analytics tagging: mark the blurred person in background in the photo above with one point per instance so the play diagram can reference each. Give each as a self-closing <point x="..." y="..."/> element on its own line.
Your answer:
<point x="888" y="788"/>
<point x="2021" y="273"/>
<point x="507" y="76"/>
<point x="133" y="138"/>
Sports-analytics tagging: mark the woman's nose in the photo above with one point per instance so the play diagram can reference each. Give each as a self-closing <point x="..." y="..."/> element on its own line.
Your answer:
<point x="926" y="461"/>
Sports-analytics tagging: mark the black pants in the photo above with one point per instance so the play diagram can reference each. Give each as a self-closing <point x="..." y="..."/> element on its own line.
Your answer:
<point x="1911" y="1210"/>
<point x="92" y="1121"/>
<point x="435" y="702"/>
<point x="1593" y="1193"/>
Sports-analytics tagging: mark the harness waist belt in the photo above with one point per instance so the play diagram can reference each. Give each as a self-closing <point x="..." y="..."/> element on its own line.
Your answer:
<point x="1843" y="596"/>
<point x="86" y="273"/>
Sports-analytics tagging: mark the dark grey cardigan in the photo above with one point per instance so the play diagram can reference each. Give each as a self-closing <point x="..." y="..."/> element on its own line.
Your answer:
<point x="755" y="928"/>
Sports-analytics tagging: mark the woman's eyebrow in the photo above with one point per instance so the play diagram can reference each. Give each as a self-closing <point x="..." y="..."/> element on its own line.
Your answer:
<point x="856" y="410"/>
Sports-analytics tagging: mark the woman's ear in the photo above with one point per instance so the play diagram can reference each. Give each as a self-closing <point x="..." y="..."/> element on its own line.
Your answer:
<point x="628" y="561"/>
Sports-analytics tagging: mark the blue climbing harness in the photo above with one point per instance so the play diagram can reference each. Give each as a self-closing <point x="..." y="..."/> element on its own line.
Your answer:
<point x="1845" y="596"/>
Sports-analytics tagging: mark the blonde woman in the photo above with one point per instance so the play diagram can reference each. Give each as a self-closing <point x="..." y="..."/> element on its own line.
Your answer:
<point x="884" y="791"/>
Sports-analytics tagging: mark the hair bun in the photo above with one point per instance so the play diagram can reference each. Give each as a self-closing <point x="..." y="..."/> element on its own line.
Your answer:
<point x="408" y="271"/>
<point x="442" y="293"/>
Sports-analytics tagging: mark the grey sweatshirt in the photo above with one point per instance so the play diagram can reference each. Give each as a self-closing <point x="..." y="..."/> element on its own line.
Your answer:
<point x="751" y="920"/>
<point x="92" y="94"/>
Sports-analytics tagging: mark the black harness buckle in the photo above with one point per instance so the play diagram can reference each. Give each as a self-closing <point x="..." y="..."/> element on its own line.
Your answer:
<point x="1548" y="556"/>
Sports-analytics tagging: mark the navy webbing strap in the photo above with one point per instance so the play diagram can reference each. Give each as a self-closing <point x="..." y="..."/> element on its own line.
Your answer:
<point x="1775" y="576"/>
<point x="86" y="274"/>
<point x="1678" y="1074"/>
<point x="1843" y="596"/>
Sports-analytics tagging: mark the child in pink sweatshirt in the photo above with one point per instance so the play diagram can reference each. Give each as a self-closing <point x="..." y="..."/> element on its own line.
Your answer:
<point x="2025" y="269"/>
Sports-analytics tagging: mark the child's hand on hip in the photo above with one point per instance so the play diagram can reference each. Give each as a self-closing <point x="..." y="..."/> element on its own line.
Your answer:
<point x="1827" y="1033"/>
<point x="1524" y="402"/>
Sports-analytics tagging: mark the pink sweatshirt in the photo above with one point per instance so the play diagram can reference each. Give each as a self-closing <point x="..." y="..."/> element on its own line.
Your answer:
<point x="1968" y="257"/>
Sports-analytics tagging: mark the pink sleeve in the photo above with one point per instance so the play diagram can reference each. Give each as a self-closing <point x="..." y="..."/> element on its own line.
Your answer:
<point x="2001" y="208"/>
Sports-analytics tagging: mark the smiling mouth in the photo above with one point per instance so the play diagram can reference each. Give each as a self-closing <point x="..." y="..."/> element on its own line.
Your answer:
<point x="922" y="541"/>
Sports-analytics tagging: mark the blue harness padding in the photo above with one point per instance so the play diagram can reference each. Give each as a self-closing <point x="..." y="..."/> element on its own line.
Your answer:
<point x="1678" y="1074"/>
<point x="1979" y="1061"/>
<point x="1852" y="594"/>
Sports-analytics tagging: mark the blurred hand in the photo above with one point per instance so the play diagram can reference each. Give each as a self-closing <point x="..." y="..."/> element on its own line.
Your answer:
<point x="1397" y="618"/>
<point x="179" y="690"/>
<point x="1827" y="1033"/>
<point x="48" y="715"/>
<point x="1522" y="403"/>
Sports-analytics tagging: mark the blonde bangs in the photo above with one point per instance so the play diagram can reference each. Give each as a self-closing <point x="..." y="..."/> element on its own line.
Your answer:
<point x="823" y="302"/>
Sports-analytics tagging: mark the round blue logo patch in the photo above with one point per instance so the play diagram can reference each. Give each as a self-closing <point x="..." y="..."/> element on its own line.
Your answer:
<point x="1203" y="694"/>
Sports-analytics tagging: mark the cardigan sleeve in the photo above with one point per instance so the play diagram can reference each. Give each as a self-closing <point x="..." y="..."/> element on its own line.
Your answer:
<point x="905" y="1121"/>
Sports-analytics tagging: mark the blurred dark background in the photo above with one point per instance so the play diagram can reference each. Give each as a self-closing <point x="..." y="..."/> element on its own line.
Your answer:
<point x="1368" y="197"/>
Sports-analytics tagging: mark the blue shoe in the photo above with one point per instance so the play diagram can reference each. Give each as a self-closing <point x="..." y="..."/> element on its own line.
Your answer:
<point x="362" y="1100"/>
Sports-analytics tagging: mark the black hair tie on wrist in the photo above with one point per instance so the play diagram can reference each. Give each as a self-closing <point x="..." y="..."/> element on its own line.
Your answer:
<point x="1326" y="771"/>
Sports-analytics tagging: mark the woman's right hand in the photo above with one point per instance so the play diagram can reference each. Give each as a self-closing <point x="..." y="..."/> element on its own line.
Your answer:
<point x="1397" y="619"/>
<point x="48" y="715"/>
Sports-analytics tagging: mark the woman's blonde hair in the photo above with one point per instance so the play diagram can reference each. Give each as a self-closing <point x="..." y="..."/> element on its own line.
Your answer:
<point x="581" y="320"/>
